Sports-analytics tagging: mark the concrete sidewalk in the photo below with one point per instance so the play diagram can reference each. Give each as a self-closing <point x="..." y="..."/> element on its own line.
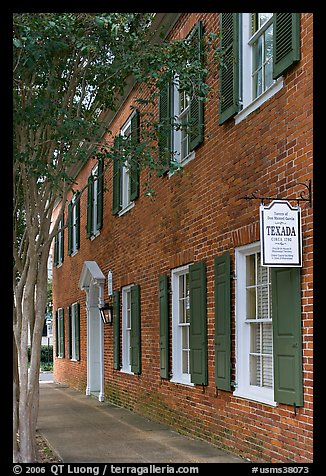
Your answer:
<point x="83" y="430"/>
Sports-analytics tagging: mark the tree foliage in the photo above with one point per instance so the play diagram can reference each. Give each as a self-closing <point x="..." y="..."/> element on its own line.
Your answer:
<point x="69" y="72"/>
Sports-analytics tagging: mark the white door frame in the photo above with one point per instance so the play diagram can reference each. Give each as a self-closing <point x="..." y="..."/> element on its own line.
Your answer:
<point x="92" y="282"/>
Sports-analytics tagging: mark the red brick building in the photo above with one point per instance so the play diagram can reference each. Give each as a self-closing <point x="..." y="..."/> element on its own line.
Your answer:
<point x="205" y="337"/>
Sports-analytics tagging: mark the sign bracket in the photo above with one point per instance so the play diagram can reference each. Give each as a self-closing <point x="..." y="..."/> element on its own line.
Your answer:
<point x="305" y="195"/>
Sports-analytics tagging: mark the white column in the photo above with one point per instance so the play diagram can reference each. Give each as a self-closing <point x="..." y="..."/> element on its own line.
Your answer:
<point x="101" y="395"/>
<point x="88" y="386"/>
<point x="100" y="303"/>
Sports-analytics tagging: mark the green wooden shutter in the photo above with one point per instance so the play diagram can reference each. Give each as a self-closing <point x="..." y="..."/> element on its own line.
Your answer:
<point x="77" y="330"/>
<point x="56" y="334"/>
<point x="69" y="333"/>
<point x="286" y="42"/>
<point x="116" y="330"/>
<point x="100" y="182"/>
<point x="135" y="330"/>
<point x="165" y="127"/>
<point x="229" y="70"/>
<point x="70" y="226"/>
<point x="196" y="135"/>
<point x="90" y="191"/>
<point x="222" y="322"/>
<point x="55" y="250"/>
<point x="77" y="224"/>
<point x="134" y="163"/>
<point x="62" y="241"/>
<point x="164" y="326"/>
<point x="198" y="323"/>
<point x="116" y="185"/>
<point x="287" y="340"/>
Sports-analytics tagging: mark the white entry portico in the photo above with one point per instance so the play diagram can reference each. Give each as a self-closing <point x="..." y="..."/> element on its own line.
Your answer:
<point x="92" y="282"/>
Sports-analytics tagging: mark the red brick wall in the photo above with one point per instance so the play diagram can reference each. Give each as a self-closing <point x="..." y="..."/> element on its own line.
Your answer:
<point x="195" y="216"/>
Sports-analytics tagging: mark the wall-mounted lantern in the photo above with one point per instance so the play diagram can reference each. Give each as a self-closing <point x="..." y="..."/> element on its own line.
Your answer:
<point x="106" y="311"/>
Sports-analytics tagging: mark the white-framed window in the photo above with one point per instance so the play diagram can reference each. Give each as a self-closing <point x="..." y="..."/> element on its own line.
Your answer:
<point x="74" y="225"/>
<point x="60" y="333"/>
<point x="73" y="229"/>
<point x="181" y="118"/>
<point x="126" y="202"/>
<point x="74" y="334"/>
<point x="59" y="245"/>
<point x="254" y="328"/>
<point x="181" y="326"/>
<point x="94" y="230"/>
<point x="256" y="62"/>
<point x="126" y="329"/>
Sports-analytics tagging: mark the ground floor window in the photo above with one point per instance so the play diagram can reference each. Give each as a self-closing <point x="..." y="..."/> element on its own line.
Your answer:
<point x="74" y="331"/>
<point x="181" y="326"/>
<point x="254" y="326"/>
<point x="60" y="343"/>
<point x="126" y="329"/>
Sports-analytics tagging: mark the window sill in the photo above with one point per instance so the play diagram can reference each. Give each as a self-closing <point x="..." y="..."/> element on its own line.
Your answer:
<point x="74" y="253"/>
<point x="256" y="103"/>
<point x="95" y="235"/>
<point x="184" y="162"/>
<point x="127" y="371"/>
<point x="255" y="398"/>
<point x="180" y="382"/>
<point x="59" y="265"/>
<point x="126" y="209"/>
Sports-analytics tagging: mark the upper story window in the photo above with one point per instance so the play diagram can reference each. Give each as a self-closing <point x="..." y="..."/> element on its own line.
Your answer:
<point x="125" y="171"/>
<point x="256" y="83"/>
<point x="95" y="201"/>
<point x="180" y="133"/>
<point x="181" y="117"/>
<point x="73" y="224"/>
<point x="261" y="43"/>
<point x="59" y="244"/>
<point x="258" y="48"/>
<point x="126" y="167"/>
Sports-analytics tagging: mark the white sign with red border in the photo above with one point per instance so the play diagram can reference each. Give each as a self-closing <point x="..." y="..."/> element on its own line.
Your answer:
<point x="280" y="234"/>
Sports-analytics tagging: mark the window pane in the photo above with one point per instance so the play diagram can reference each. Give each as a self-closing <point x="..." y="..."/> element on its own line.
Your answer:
<point x="251" y="303"/>
<point x="185" y="337"/>
<point x="269" y="74"/>
<point x="267" y="377"/>
<point x="269" y="43"/>
<point x="267" y="344"/>
<point x="255" y="338"/>
<point x="250" y="264"/>
<point x="185" y="361"/>
<point x="255" y="370"/>
<point x="182" y="286"/>
<point x="263" y="18"/>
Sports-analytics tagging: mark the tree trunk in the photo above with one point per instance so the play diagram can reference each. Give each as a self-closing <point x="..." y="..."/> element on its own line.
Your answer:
<point x="26" y="380"/>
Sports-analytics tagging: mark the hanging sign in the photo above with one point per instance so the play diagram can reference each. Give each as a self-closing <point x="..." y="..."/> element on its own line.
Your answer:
<point x="280" y="234"/>
<point x="110" y="286"/>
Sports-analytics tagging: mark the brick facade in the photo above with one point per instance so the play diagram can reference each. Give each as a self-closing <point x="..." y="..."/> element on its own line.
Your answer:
<point x="196" y="215"/>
